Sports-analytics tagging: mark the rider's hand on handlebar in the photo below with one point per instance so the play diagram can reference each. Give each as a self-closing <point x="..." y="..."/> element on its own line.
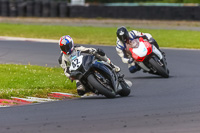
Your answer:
<point x="92" y="51"/>
<point x="130" y="60"/>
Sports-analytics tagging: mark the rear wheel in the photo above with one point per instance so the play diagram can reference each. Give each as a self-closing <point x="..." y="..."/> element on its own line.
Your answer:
<point x="161" y="70"/>
<point x="125" y="89"/>
<point x="101" y="87"/>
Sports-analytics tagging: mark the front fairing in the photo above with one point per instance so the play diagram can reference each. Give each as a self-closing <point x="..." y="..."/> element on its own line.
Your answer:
<point x="80" y="64"/>
<point x="87" y="62"/>
<point x="142" y="50"/>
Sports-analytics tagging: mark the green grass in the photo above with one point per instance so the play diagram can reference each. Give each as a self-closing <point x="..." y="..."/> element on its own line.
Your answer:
<point x="176" y="38"/>
<point x="100" y="35"/>
<point x="29" y="80"/>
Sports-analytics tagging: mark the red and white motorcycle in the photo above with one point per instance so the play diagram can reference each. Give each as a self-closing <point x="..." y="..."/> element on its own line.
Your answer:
<point x="148" y="57"/>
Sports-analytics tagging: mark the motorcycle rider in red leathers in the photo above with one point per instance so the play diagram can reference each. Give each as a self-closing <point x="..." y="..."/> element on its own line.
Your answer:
<point x="124" y="39"/>
<point x="67" y="48"/>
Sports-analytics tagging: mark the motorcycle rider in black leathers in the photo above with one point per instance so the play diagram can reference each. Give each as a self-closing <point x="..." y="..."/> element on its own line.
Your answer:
<point x="124" y="39"/>
<point x="67" y="48"/>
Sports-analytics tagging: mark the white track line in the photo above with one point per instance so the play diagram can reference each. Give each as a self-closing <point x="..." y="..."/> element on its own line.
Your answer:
<point x="27" y="39"/>
<point x="36" y="99"/>
<point x="56" y="41"/>
<point x="68" y="94"/>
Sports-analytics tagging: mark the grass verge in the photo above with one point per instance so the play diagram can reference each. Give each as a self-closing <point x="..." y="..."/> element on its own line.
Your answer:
<point x="100" y="35"/>
<point x="29" y="80"/>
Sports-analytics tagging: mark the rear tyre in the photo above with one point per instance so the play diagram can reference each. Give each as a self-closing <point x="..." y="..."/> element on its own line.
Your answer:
<point x="100" y="88"/>
<point x="125" y="89"/>
<point x="160" y="70"/>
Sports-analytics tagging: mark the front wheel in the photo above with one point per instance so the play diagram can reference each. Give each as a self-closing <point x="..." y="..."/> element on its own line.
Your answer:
<point x="161" y="70"/>
<point x="109" y="93"/>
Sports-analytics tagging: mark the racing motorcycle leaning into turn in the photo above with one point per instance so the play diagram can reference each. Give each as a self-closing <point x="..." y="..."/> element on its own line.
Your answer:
<point x="148" y="57"/>
<point x="97" y="76"/>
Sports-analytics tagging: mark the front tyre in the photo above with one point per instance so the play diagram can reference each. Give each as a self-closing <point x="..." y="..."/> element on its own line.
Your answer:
<point x="161" y="70"/>
<point x="100" y="88"/>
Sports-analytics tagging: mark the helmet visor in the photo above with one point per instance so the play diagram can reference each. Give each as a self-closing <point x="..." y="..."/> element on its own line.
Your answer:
<point x="66" y="48"/>
<point x="125" y="39"/>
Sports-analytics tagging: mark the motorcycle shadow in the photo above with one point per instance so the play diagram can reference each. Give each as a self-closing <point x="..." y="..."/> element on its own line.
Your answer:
<point x="100" y="97"/>
<point x="145" y="77"/>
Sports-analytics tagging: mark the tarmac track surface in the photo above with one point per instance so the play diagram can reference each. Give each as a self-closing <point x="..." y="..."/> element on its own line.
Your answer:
<point x="155" y="105"/>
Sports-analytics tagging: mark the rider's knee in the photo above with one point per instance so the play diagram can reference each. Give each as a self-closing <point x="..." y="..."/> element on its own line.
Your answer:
<point x="153" y="42"/>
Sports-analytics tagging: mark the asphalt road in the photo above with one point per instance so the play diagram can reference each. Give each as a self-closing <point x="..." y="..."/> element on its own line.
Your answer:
<point x="155" y="105"/>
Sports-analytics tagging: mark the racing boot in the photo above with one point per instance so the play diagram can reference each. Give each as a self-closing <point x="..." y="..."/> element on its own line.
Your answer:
<point x="80" y="89"/>
<point x="153" y="42"/>
<point x="120" y="77"/>
<point x="163" y="53"/>
<point x="115" y="68"/>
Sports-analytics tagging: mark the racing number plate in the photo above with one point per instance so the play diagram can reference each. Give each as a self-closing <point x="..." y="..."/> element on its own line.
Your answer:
<point x="76" y="63"/>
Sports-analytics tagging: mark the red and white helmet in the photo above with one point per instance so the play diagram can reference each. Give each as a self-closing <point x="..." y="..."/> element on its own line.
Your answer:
<point x="66" y="44"/>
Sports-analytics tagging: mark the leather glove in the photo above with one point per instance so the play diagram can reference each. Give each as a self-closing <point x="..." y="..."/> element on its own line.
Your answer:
<point x="92" y="51"/>
<point x="130" y="60"/>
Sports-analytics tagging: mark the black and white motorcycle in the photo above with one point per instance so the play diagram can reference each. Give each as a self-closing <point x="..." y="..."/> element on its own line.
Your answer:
<point x="97" y="76"/>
